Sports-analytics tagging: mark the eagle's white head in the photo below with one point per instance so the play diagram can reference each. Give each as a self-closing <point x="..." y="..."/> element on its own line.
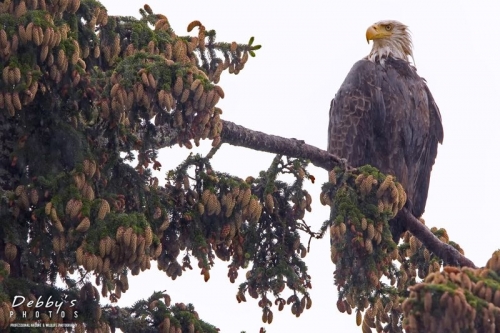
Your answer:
<point x="390" y="38"/>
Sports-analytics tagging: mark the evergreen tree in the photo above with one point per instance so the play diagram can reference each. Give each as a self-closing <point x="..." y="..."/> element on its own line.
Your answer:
<point x="83" y="95"/>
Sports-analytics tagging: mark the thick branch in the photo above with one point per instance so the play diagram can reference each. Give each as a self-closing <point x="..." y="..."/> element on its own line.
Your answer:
<point x="448" y="253"/>
<point x="166" y="136"/>
<point x="237" y="135"/>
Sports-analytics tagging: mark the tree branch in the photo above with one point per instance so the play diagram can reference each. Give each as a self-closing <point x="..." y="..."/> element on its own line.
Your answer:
<point x="237" y="135"/>
<point x="448" y="253"/>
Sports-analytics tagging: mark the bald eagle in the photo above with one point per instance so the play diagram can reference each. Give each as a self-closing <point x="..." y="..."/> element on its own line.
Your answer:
<point x="384" y="115"/>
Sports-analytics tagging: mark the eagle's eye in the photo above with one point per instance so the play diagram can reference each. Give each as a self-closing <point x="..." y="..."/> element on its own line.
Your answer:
<point x="388" y="27"/>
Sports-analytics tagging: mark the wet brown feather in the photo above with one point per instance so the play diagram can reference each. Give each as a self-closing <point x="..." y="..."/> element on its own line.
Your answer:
<point x="384" y="115"/>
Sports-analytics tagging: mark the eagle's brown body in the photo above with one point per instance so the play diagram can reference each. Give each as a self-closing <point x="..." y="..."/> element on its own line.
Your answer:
<point x="384" y="115"/>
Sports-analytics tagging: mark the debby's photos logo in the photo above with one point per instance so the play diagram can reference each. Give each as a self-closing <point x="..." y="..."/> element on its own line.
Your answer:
<point x="33" y="312"/>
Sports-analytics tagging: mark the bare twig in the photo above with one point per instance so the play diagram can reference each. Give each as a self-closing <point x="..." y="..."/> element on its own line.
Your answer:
<point x="307" y="229"/>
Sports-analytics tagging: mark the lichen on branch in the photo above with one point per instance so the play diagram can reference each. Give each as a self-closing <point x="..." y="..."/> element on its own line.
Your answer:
<point x="364" y="204"/>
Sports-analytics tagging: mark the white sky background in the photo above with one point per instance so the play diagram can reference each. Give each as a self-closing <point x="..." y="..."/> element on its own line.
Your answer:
<point x="308" y="47"/>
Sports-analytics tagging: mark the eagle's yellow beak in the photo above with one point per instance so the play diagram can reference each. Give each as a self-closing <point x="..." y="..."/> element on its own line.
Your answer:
<point x="376" y="32"/>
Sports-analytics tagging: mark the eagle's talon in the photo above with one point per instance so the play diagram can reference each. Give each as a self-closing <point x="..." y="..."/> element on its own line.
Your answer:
<point x="343" y="165"/>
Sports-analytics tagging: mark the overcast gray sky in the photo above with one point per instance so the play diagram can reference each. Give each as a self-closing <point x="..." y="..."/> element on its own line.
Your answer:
<point x="308" y="49"/>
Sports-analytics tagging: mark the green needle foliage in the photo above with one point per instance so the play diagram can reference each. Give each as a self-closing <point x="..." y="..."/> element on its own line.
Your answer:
<point x="84" y="94"/>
